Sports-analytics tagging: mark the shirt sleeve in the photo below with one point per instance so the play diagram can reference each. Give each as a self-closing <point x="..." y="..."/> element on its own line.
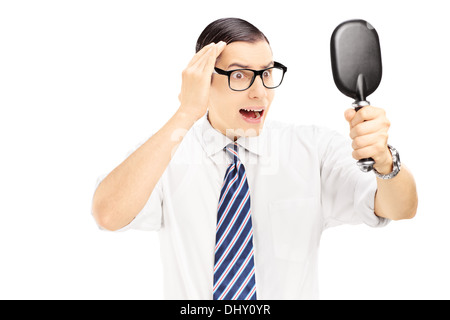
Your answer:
<point x="150" y="217"/>
<point x="348" y="194"/>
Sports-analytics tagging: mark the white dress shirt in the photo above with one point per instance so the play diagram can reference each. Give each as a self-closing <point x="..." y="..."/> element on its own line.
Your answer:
<point x="302" y="180"/>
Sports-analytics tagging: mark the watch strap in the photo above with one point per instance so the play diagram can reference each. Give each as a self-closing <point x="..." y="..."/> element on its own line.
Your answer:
<point x="396" y="165"/>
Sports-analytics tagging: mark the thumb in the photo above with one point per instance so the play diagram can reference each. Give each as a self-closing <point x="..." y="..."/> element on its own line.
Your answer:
<point x="349" y="114"/>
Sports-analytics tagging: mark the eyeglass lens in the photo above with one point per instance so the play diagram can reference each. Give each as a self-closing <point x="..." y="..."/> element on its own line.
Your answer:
<point x="242" y="79"/>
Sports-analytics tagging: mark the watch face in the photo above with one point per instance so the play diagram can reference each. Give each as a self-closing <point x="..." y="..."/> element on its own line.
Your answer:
<point x="397" y="158"/>
<point x="397" y="164"/>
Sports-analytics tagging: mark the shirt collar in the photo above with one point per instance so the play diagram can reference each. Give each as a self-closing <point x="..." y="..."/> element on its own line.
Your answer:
<point x="214" y="141"/>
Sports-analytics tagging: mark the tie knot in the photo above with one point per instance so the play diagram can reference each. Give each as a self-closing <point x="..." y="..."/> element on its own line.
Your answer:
<point x="232" y="151"/>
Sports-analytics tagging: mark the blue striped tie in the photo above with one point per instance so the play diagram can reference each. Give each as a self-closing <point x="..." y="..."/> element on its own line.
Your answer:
<point x="234" y="267"/>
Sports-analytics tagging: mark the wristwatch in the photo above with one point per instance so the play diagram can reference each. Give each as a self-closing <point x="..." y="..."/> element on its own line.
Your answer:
<point x="396" y="164"/>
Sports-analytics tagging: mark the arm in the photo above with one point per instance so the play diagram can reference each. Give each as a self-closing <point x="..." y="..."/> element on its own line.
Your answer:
<point x="125" y="191"/>
<point x="396" y="198"/>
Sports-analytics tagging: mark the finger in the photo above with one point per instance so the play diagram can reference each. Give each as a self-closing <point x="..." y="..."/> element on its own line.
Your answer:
<point x="207" y="61"/>
<point x="365" y="114"/>
<point x="201" y="61"/>
<point x="374" y="151"/>
<point x="349" y="114"/>
<point x="363" y="153"/>
<point x="361" y="142"/>
<point x="209" y="66"/>
<point x="199" y="54"/>
<point x="368" y="127"/>
<point x="220" y="47"/>
<point x="209" y="57"/>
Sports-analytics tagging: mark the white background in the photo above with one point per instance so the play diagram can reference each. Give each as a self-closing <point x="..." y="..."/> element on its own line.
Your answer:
<point x="83" y="82"/>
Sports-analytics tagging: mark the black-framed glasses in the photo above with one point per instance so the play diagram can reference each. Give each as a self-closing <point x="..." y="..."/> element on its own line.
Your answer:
<point x="242" y="79"/>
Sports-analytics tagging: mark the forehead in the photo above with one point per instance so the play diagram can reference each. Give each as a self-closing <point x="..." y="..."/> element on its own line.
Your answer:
<point x="252" y="55"/>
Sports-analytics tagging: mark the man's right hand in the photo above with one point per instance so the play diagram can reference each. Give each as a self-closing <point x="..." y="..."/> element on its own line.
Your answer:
<point x="196" y="80"/>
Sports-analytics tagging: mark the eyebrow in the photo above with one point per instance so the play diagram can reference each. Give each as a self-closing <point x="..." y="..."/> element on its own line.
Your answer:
<point x="242" y="66"/>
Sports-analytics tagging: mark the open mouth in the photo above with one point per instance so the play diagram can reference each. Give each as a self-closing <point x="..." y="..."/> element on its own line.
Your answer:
<point x="252" y="115"/>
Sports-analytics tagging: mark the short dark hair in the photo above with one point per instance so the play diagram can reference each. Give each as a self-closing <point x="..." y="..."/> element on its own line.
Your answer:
<point x="229" y="30"/>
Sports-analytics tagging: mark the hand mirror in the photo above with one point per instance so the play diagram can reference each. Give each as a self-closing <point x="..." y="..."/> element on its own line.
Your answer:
<point x="356" y="65"/>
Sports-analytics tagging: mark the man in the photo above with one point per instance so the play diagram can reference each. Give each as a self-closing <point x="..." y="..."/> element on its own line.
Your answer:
<point x="240" y="203"/>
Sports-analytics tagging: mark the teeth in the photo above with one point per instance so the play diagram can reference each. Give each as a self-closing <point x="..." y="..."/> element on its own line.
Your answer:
<point x="255" y="110"/>
<point x="258" y="115"/>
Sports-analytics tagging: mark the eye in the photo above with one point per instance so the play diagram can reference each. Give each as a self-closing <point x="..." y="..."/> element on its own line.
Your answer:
<point x="267" y="73"/>
<point x="238" y="75"/>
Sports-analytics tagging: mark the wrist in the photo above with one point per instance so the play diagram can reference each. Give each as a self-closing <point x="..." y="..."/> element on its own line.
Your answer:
<point x="393" y="162"/>
<point x="386" y="166"/>
<point x="187" y="115"/>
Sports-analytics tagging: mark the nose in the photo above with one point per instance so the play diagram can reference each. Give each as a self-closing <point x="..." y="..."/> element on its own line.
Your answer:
<point x="257" y="90"/>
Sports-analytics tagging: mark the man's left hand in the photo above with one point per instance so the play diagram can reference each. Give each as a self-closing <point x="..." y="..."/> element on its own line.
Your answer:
<point x="369" y="132"/>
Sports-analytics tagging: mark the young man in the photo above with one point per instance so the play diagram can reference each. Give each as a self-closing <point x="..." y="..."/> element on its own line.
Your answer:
<point x="240" y="203"/>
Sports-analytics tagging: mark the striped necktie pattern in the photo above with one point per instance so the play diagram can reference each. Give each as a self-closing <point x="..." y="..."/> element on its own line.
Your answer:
<point x="234" y="267"/>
